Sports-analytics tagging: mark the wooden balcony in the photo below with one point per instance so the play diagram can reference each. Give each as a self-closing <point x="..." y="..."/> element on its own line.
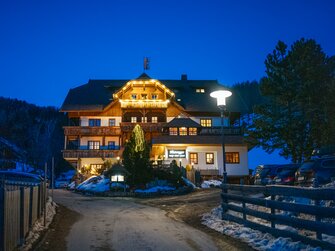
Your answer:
<point x="75" y="154"/>
<point x="147" y="127"/>
<point x="92" y="130"/>
<point x="217" y="130"/>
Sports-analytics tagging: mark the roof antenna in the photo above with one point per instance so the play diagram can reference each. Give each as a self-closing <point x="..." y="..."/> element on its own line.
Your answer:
<point x="146" y="64"/>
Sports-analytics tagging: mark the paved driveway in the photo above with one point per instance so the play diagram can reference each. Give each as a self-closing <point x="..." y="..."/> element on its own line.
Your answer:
<point x="122" y="224"/>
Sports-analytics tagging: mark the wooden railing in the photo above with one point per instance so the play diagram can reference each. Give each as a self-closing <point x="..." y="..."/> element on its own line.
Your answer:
<point x="21" y="204"/>
<point x="217" y="130"/>
<point x="93" y="131"/>
<point x="147" y="127"/>
<point x="90" y="153"/>
<point x="274" y="206"/>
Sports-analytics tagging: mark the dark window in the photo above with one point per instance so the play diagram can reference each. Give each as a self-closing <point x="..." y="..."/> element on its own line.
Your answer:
<point x="144" y="96"/>
<point x="94" y="122"/>
<point x="154" y="96"/>
<point x="111" y="145"/>
<point x="194" y="158"/>
<point x="232" y="158"/>
<point x="72" y="145"/>
<point x="206" y="122"/>
<point x="209" y="158"/>
<point x="111" y="122"/>
<point x="93" y="145"/>
<point x="133" y="96"/>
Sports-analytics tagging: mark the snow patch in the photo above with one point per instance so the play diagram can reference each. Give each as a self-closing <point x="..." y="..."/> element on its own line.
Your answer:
<point x="211" y="183"/>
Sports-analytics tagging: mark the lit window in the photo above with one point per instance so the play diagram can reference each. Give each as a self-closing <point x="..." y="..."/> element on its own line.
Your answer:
<point x="209" y="158"/>
<point x="182" y="131"/>
<point x="93" y="145"/>
<point x="194" y="158"/>
<point x="144" y="119"/>
<point x="111" y="145"/>
<point x="154" y="119"/>
<point x="117" y="178"/>
<point x="133" y="96"/>
<point x="94" y="122"/>
<point x="173" y="131"/>
<point x="133" y="119"/>
<point x="200" y="90"/>
<point x="95" y="168"/>
<point x="232" y="158"/>
<point x="192" y="131"/>
<point x="154" y="96"/>
<point x="206" y="122"/>
<point x="111" y="122"/>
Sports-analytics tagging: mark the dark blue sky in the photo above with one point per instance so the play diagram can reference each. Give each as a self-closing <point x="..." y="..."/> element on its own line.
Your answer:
<point x="48" y="47"/>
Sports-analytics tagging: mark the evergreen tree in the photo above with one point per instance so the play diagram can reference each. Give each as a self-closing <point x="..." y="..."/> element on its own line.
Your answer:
<point x="299" y="114"/>
<point x="136" y="158"/>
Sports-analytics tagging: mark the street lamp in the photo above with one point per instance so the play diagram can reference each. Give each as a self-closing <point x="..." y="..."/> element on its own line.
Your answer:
<point x="221" y="96"/>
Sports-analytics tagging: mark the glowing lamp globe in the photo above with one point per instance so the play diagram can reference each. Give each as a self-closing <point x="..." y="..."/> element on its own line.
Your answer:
<point x="221" y="96"/>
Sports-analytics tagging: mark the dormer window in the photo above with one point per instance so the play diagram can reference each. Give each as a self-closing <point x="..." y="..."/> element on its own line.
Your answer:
<point x="200" y="90"/>
<point x="133" y="96"/>
<point x="154" y="96"/>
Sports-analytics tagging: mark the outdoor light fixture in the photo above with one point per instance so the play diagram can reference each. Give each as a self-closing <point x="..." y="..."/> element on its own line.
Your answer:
<point x="221" y="96"/>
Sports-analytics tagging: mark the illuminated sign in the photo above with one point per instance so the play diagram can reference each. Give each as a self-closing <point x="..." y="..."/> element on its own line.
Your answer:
<point x="176" y="153"/>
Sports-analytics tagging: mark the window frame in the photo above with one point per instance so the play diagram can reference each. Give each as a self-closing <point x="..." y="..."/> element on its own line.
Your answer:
<point x="173" y="131"/>
<point x="154" y="96"/>
<point x="94" y="143"/>
<point x="144" y="119"/>
<point x="133" y="96"/>
<point x="182" y="131"/>
<point x="112" y="120"/>
<point x="154" y="119"/>
<point x="233" y="158"/>
<point x="111" y="146"/>
<point x="131" y="119"/>
<point x="192" y="131"/>
<point x="196" y="158"/>
<point x="207" y="159"/>
<point x="95" y="122"/>
<point x="208" y="122"/>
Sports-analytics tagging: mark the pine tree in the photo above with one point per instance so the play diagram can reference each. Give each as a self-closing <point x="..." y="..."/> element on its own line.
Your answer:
<point x="299" y="114"/>
<point x="136" y="158"/>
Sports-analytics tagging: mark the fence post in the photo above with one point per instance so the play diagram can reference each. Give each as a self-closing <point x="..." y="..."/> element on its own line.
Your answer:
<point x="21" y="215"/>
<point x="273" y="212"/>
<point x="2" y="215"/>
<point x="224" y="204"/>
<point x="31" y="200"/>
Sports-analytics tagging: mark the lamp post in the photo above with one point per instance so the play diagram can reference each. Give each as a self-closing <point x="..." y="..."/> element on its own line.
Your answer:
<point x="221" y="96"/>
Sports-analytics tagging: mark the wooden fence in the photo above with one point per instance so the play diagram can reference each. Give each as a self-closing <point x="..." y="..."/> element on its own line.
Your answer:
<point x="21" y="204"/>
<point x="312" y="218"/>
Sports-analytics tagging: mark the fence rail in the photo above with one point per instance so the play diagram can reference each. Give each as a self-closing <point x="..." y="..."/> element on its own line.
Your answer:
<point x="21" y="204"/>
<point x="274" y="210"/>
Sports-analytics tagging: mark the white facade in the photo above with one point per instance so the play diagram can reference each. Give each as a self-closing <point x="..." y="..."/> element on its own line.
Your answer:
<point x="104" y="120"/>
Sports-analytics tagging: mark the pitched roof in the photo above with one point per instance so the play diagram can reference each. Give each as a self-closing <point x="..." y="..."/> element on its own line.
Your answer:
<point x="97" y="94"/>
<point x="185" y="122"/>
<point x="199" y="140"/>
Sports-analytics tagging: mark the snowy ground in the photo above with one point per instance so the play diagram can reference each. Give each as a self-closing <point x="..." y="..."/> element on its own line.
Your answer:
<point x="38" y="228"/>
<point x="211" y="183"/>
<point x="256" y="239"/>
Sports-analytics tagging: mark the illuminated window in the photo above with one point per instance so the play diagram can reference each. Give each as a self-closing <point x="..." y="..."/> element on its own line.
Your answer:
<point x="95" y="168"/>
<point x="154" y="96"/>
<point x="200" y="90"/>
<point x="144" y="119"/>
<point x="133" y="96"/>
<point x="94" y="122"/>
<point x="232" y="158"/>
<point x="209" y="158"/>
<point x="206" y="122"/>
<point x="111" y="122"/>
<point x="173" y="131"/>
<point x="154" y="119"/>
<point x="192" y="131"/>
<point x="93" y="145"/>
<point x="133" y="119"/>
<point x="182" y="131"/>
<point x="117" y="178"/>
<point x="194" y="158"/>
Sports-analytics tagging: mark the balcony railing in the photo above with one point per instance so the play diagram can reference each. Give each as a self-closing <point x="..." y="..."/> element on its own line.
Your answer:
<point x="147" y="127"/>
<point x="94" y="130"/>
<point x="90" y="153"/>
<point x="217" y="130"/>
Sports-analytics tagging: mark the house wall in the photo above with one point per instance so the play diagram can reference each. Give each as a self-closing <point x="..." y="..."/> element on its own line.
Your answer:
<point x="104" y="120"/>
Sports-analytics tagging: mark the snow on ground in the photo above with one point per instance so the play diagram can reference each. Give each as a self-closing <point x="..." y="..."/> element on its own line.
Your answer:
<point x="95" y="184"/>
<point x="211" y="183"/>
<point x="256" y="239"/>
<point x="39" y="227"/>
<point x="155" y="189"/>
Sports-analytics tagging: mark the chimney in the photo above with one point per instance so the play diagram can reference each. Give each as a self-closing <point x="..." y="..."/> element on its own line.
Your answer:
<point x="183" y="76"/>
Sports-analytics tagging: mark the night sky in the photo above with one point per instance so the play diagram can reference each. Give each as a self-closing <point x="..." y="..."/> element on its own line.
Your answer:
<point x="48" y="47"/>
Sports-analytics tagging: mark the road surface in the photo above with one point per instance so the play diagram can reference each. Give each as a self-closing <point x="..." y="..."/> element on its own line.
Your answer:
<point x="121" y="224"/>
